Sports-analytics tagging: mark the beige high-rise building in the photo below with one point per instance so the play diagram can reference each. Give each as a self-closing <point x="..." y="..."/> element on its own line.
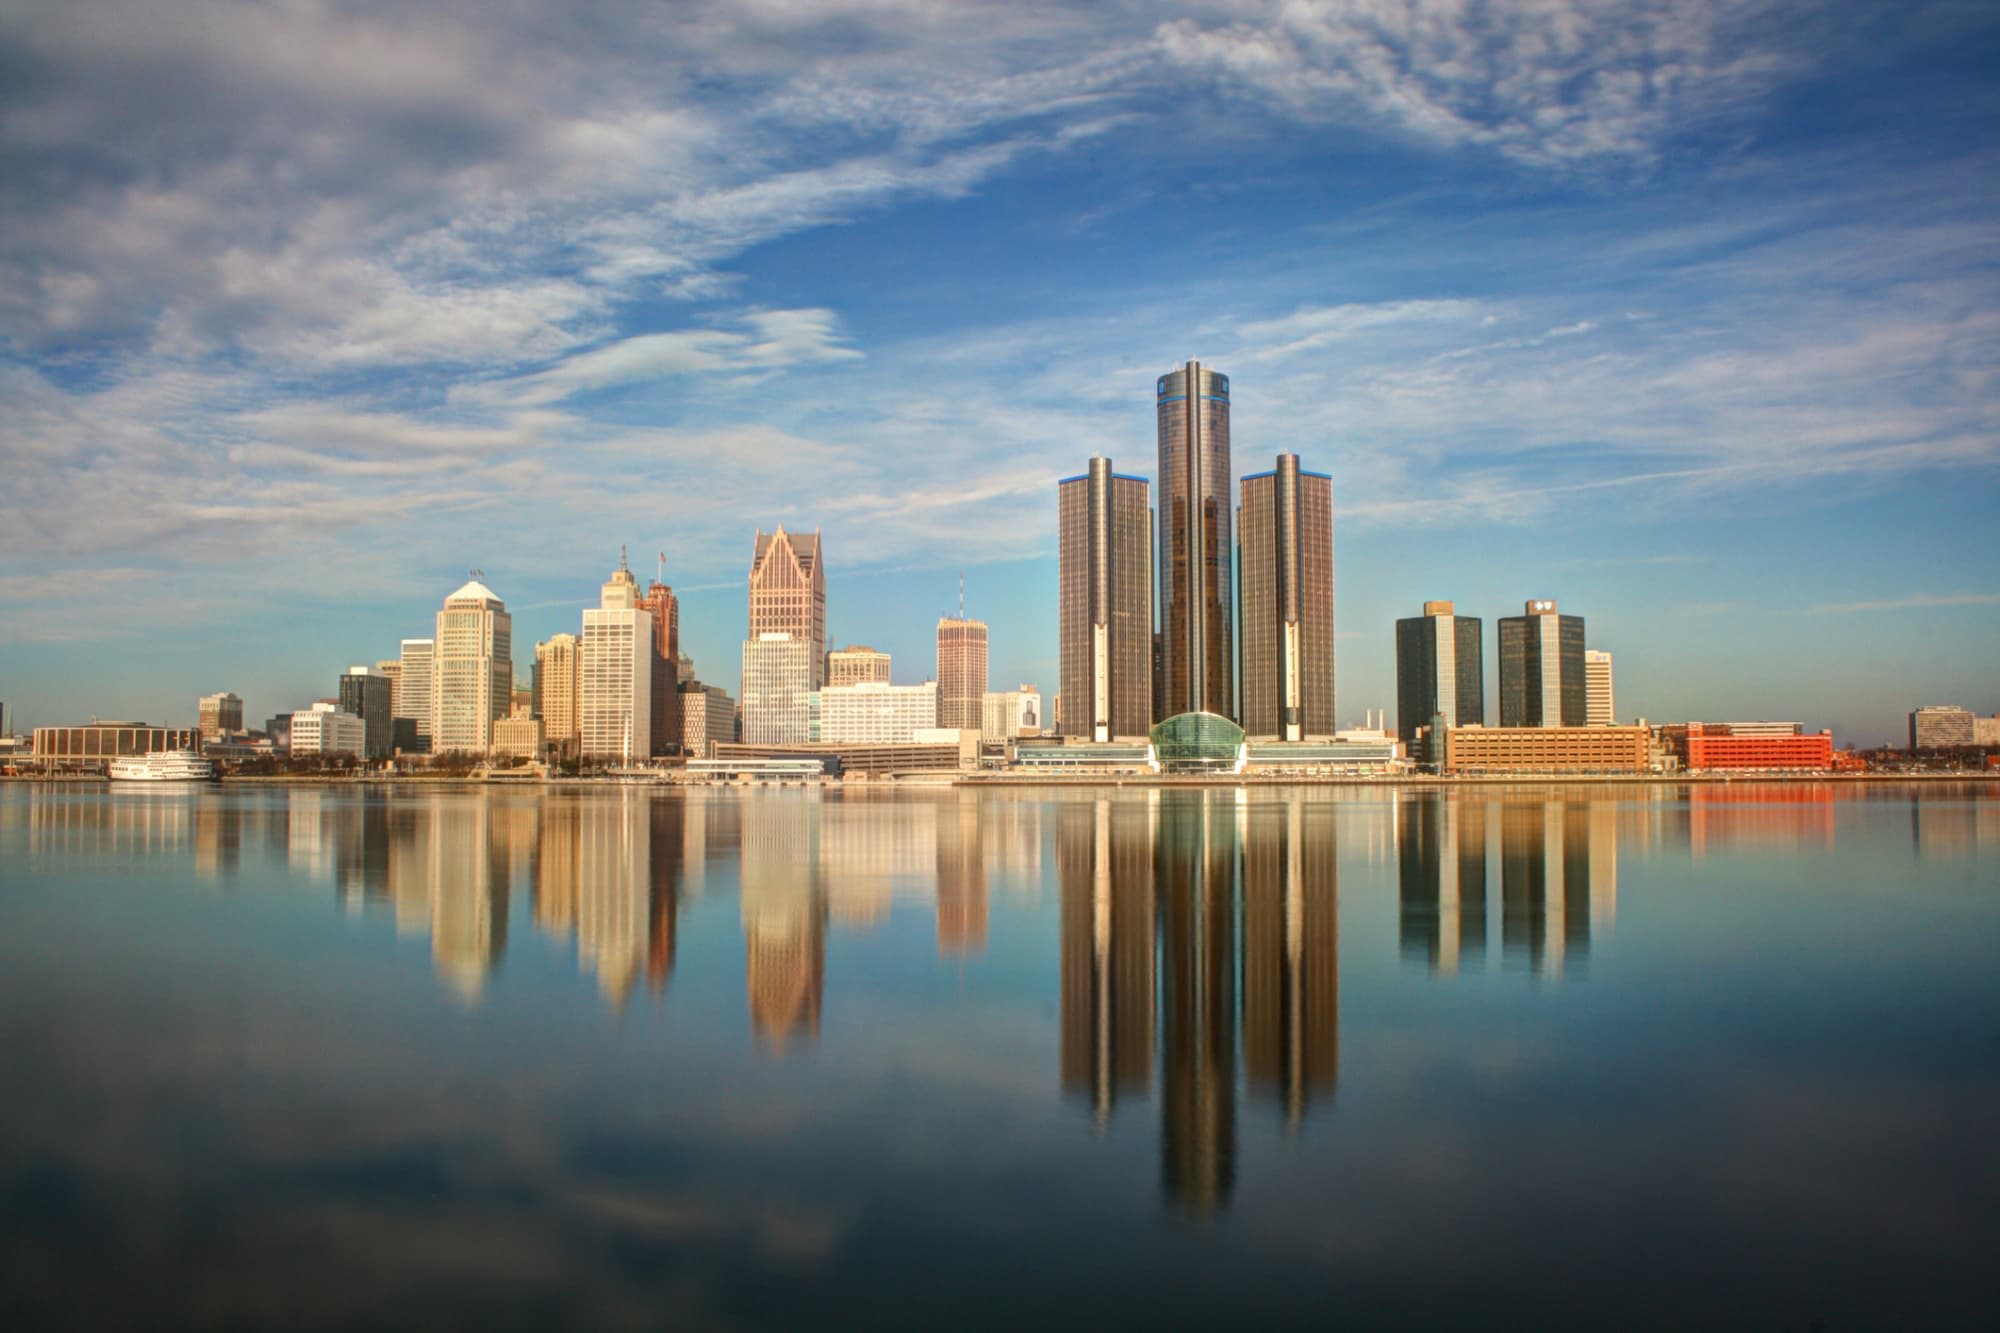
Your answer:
<point x="961" y="672"/>
<point x="475" y="669"/>
<point x="1105" y="604"/>
<point x="615" y="693"/>
<point x="1286" y="529"/>
<point x="788" y="593"/>
<point x="777" y="689"/>
<point x="559" y="678"/>
<point x="221" y="715"/>
<point x="416" y="688"/>
<point x="1597" y="708"/>
<point x="857" y="664"/>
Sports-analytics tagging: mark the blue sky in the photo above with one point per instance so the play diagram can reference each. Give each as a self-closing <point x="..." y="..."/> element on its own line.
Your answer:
<point x="1685" y="315"/>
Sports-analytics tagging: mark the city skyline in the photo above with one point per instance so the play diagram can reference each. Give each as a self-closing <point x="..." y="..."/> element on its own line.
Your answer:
<point x="1710" y="361"/>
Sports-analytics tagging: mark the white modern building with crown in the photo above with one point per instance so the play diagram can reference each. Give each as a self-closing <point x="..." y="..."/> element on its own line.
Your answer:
<point x="474" y="666"/>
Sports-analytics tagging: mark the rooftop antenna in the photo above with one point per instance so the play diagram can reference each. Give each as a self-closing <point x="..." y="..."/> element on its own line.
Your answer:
<point x="478" y="575"/>
<point x="621" y="557"/>
<point x="661" y="577"/>
<point x="961" y="594"/>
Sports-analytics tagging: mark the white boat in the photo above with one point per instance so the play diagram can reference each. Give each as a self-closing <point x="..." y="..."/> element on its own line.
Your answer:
<point x="163" y="766"/>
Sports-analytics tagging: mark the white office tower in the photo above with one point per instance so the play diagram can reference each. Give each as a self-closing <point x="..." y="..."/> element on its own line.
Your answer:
<point x="475" y="669"/>
<point x="1598" y="711"/>
<point x="777" y="689"/>
<point x="416" y="687"/>
<point x="616" y="693"/>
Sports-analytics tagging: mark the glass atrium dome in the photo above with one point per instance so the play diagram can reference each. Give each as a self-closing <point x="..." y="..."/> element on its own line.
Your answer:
<point x="1198" y="743"/>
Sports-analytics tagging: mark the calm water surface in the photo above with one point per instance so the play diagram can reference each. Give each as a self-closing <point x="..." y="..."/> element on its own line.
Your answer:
<point x="1675" y="1057"/>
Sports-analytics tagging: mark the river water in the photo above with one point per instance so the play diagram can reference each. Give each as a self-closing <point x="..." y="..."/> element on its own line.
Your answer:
<point x="1521" y="1057"/>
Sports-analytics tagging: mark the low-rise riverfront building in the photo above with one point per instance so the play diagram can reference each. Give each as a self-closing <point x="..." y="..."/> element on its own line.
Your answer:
<point x="1477" y="750"/>
<point x="1085" y="758"/>
<point x="88" y="746"/>
<point x="873" y="760"/>
<point x="1345" y="758"/>
<point x="1712" y="747"/>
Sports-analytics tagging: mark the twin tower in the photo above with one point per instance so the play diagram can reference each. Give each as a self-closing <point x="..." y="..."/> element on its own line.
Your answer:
<point x="1121" y="672"/>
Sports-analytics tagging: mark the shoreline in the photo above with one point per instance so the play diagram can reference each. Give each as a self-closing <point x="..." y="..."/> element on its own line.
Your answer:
<point x="937" y="780"/>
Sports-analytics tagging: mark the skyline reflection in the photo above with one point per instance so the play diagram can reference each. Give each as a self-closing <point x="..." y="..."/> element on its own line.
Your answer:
<point x="1154" y="891"/>
<point x="1551" y="863"/>
<point x="1198" y="927"/>
<point x="572" y="1054"/>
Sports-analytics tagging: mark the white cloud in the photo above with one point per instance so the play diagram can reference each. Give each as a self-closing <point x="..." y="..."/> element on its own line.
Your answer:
<point x="1559" y="83"/>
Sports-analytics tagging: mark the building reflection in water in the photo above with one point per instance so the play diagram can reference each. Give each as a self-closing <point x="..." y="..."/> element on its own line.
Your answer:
<point x="1150" y="954"/>
<point x="1291" y="955"/>
<point x="1730" y="814"/>
<point x="611" y="907"/>
<point x="1104" y="856"/>
<point x="961" y="878"/>
<point x="468" y="878"/>
<point x="1441" y="865"/>
<point x="784" y="917"/>
<point x="1558" y="878"/>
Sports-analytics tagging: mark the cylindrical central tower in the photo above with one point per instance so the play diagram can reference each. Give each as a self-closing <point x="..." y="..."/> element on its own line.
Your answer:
<point x="1195" y="542"/>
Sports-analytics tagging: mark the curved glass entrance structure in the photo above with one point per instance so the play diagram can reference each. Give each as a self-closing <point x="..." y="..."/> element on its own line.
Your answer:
<point x="1198" y="743"/>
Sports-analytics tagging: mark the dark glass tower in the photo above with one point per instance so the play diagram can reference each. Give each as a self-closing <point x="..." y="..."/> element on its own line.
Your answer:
<point x="1198" y="662"/>
<point x="1542" y="681"/>
<point x="1439" y="670"/>
<point x="1286" y="529"/>
<point x="366" y="694"/>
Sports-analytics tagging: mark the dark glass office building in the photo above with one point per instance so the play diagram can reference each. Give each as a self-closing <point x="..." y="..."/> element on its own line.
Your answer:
<point x="1196" y="548"/>
<point x="1541" y="669"/>
<point x="1439" y="670"/>
<point x="365" y="692"/>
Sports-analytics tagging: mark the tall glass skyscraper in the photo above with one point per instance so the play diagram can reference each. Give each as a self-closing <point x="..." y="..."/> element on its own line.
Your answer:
<point x="1286" y="526"/>
<point x="1541" y="669"/>
<point x="1198" y="659"/>
<point x="1105" y="604"/>
<point x="1439" y="671"/>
